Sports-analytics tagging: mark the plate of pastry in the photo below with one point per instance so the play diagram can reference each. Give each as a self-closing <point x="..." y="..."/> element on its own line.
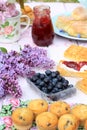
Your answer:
<point x="71" y="25"/>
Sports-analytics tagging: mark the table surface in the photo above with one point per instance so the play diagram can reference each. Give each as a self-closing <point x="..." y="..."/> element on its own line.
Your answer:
<point x="55" y="51"/>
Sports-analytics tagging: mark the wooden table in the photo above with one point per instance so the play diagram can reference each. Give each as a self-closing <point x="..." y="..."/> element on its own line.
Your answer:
<point x="55" y="51"/>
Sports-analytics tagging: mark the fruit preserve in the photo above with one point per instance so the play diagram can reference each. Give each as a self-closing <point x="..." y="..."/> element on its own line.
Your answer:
<point x="42" y="29"/>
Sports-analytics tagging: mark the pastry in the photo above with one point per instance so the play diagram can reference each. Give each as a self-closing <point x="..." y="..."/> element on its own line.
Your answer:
<point x="76" y="53"/>
<point x="80" y="111"/>
<point x="79" y="13"/>
<point x="74" y="64"/>
<point x="82" y="85"/>
<point x="75" y="24"/>
<point x="38" y="106"/>
<point x="85" y="125"/>
<point x="68" y="122"/>
<point x="22" y="118"/>
<point x="59" y="108"/>
<point x="46" y="121"/>
<point x="29" y="12"/>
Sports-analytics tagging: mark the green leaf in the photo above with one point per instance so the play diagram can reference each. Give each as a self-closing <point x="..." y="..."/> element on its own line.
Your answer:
<point x="15" y="24"/>
<point x="6" y="23"/>
<point x="3" y="49"/>
<point x="2" y="25"/>
<point x="11" y="35"/>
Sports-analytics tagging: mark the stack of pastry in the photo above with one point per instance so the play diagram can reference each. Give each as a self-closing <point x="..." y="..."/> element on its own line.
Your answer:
<point x="74" y="24"/>
<point x="74" y="64"/>
<point x="29" y="12"/>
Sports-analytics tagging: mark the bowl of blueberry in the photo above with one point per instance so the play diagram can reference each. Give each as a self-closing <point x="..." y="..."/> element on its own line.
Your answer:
<point x="51" y="85"/>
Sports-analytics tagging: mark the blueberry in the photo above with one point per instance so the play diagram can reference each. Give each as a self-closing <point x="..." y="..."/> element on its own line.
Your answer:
<point x="34" y="78"/>
<point x="38" y="82"/>
<point x="46" y="80"/>
<point x="53" y="74"/>
<point x="48" y="72"/>
<point x="44" y="89"/>
<point x="41" y="84"/>
<point x="53" y="91"/>
<point x="50" y="87"/>
<point x="63" y="79"/>
<point x="42" y="76"/>
<point x="57" y="72"/>
<point x="66" y="82"/>
<point x="70" y="86"/>
<point x="59" y="85"/>
<point x="37" y="74"/>
<point x="59" y="77"/>
<point x="50" y="78"/>
<point x="56" y="89"/>
<point x="38" y="86"/>
<point x="54" y="81"/>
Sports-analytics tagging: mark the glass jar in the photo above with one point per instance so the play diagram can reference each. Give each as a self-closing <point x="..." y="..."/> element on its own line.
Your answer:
<point x="42" y="29"/>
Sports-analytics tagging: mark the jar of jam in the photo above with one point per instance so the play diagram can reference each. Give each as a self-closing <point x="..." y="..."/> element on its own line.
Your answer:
<point x="42" y="29"/>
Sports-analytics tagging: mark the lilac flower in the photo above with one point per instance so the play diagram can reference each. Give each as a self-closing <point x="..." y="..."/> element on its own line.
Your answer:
<point x="2" y="92"/>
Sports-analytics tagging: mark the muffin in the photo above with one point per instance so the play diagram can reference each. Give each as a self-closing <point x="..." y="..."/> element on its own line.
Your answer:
<point x="80" y="111"/>
<point x="59" y="108"/>
<point x="22" y="118"/>
<point x="85" y="125"/>
<point x="38" y="106"/>
<point x="68" y="122"/>
<point x="46" y="121"/>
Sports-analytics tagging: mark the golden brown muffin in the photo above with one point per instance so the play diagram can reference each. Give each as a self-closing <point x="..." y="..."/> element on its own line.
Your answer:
<point x="85" y="125"/>
<point x="68" y="122"/>
<point x="59" y="108"/>
<point x="38" y="106"/>
<point x="79" y="13"/>
<point x="46" y="121"/>
<point x="80" y="111"/>
<point x="22" y="118"/>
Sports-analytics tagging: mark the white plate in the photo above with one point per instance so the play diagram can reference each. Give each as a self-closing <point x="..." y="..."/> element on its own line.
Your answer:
<point x="64" y="34"/>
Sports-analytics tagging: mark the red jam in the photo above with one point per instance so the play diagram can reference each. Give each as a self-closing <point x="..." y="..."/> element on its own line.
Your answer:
<point x="42" y="29"/>
<point x="75" y="65"/>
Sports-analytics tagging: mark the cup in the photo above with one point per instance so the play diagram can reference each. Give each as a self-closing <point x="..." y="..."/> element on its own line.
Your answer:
<point x="11" y="30"/>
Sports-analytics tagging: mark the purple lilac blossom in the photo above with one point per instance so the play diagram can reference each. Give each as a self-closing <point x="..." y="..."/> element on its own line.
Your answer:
<point x="14" y="64"/>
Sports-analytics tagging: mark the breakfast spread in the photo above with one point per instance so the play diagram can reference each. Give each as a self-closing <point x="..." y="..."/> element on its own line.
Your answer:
<point x="75" y="62"/>
<point x="74" y="24"/>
